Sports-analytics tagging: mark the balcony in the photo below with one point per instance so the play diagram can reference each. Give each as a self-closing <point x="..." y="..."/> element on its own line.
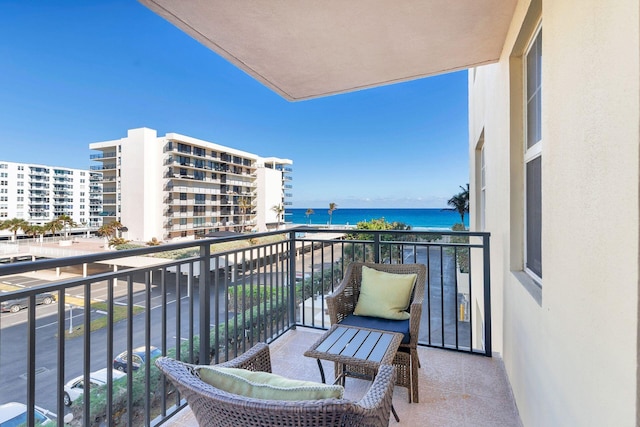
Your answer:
<point x="269" y="288"/>
<point x="106" y="155"/>
<point x="455" y="389"/>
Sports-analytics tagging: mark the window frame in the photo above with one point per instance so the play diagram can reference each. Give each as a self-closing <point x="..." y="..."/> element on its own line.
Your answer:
<point x="533" y="152"/>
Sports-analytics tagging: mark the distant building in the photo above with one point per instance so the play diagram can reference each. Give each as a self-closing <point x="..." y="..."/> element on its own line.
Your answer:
<point x="40" y="193"/>
<point x="176" y="186"/>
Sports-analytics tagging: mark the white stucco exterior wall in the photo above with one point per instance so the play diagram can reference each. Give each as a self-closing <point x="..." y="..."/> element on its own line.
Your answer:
<point x="571" y="351"/>
<point x="269" y="194"/>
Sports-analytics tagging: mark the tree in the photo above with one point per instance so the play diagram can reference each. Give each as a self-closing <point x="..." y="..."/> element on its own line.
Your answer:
<point x="332" y="207"/>
<point x="364" y="252"/>
<point x="308" y="213"/>
<point x="244" y="203"/>
<point x="460" y="203"/>
<point x="109" y="230"/>
<point x="14" y="225"/>
<point x="66" y="222"/>
<point x="53" y="226"/>
<point x="279" y="210"/>
<point x="34" y="230"/>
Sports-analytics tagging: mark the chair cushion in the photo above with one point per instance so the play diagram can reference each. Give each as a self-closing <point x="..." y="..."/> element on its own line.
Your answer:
<point x="265" y="385"/>
<point x="401" y="326"/>
<point x="384" y="295"/>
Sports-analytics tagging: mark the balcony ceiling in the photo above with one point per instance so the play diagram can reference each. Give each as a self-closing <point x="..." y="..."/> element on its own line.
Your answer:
<point x="305" y="49"/>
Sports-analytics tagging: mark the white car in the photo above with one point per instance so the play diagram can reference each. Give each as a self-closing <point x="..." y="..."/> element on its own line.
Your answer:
<point x="14" y="414"/>
<point x="74" y="388"/>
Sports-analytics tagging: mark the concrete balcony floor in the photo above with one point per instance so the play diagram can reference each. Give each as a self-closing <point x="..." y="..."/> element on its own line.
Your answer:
<point x="455" y="389"/>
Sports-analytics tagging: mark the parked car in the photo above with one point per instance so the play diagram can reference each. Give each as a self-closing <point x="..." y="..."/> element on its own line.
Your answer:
<point x="75" y="388"/>
<point x="14" y="414"/>
<point x="17" y="304"/>
<point x="120" y="362"/>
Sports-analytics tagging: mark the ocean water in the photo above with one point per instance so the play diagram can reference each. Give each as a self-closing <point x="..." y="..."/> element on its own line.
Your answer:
<point x="416" y="218"/>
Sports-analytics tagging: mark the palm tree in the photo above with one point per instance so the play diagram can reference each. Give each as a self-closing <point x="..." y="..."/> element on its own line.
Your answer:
<point x="279" y="210"/>
<point x="244" y="203"/>
<point x="53" y="226"/>
<point x="14" y="225"/>
<point x="109" y="230"/>
<point x="34" y="230"/>
<point x="332" y="207"/>
<point x="66" y="221"/>
<point x="460" y="203"/>
<point x="308" y="213"/>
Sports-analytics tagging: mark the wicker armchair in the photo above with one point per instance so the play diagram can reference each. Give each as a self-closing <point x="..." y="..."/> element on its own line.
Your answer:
<point x="214" y="407"/>
<point x="342" y="302"/>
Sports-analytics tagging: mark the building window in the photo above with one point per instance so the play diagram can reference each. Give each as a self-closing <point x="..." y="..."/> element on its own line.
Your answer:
<point x="533" y="157"/>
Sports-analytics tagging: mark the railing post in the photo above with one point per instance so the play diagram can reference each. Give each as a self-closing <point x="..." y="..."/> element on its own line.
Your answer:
<point x="487" y="294"/>
<point x="292" y="279"/>
<point x="204" y="289"/>
<point x="376" y="247"/>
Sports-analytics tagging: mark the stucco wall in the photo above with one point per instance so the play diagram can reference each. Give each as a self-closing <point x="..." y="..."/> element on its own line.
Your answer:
<point x="571" y="352"/>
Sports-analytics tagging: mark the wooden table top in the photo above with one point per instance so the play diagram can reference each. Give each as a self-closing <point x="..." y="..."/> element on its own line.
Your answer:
<point x="358" y="346"/>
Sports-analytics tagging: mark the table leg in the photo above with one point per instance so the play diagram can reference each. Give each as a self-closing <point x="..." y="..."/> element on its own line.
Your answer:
<point x="395" y="414"/>
<point x="321" y="371"/>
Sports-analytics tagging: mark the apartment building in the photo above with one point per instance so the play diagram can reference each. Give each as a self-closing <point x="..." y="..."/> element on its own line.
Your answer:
<point x="40" y="193"/>
<point x="553" y="129"/>
<point x="175" y="186"/>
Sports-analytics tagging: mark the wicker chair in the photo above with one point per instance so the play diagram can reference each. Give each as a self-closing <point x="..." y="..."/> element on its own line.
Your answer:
<point x="214" y="407"/>
<point x="342" y="302"/>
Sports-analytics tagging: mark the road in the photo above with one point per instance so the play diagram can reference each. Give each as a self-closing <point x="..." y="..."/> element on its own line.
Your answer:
<point x="13" y="346"/>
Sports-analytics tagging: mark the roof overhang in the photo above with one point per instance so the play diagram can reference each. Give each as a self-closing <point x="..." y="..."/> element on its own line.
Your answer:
<point x="305" y="49"/>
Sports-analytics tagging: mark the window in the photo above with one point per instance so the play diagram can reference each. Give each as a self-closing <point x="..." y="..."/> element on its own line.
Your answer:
<point x="20" y="176"/>
<point x="533" y="157"/>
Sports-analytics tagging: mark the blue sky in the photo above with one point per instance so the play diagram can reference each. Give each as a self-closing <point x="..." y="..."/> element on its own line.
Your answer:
<point x="75" y="72"/>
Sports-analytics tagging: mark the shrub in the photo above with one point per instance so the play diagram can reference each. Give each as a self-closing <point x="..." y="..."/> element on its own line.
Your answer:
<point x="462" y="253"/>
<point x="117" y="241"/>
<point x="126" y="246"/>
<point x="153" y="242"/>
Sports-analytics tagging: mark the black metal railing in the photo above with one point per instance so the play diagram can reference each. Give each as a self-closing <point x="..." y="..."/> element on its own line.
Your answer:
<point x="207" y="301"/>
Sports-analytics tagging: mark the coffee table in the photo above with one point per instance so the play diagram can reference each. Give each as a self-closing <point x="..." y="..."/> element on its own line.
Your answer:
<point x="359" y="347"/>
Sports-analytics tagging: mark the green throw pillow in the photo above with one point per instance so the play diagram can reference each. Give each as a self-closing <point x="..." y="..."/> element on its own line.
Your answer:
<point x="384" y="295"/>
<point x="264" y="385"/>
